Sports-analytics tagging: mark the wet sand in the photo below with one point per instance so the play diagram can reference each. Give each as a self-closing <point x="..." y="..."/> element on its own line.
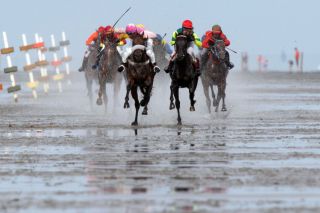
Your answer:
<point x="262" y="155"/>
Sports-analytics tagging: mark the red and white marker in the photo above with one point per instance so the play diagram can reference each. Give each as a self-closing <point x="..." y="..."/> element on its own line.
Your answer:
<point x="43" y="68"/>
<point x="11" y="69"/>
<point x="65" y="54"/>
<point x="32" y="84"/>
<point x="56" y="63"/>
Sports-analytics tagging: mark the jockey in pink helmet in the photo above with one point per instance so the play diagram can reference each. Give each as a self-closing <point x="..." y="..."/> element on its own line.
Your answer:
<point x="133" y="31"/>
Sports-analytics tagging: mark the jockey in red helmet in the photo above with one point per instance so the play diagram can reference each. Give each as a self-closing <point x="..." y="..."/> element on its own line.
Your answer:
<point x="210" y="38"/>
<point x="102" y="34"/>
<point x="108" y="35"/>
<point x="187" y="30"/>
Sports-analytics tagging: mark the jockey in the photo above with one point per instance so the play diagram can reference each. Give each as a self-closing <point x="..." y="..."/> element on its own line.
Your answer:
<point x="92" y="39"/>
<point x="209" y="41"/>
<point x="187" y="30"/>
<point x="110" y="36"/>
<point x="134" y="31"/>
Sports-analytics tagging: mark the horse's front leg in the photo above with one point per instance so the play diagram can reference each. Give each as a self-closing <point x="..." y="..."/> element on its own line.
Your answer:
<point x="126" y="102"/>
<point x="172" y="106"/>
<point x="176" y="96"/>
<point x="218" y="97"/>
<point x="206" y="93"/>
<point x="146" y="98"/>
<point x="215" y="102"/>
<point x="134" y="93"/>
<point x="223" y="94"/>
<point x="192" y="90"/>
<point x="101" y="83"/>
<point x="105" y="97"/>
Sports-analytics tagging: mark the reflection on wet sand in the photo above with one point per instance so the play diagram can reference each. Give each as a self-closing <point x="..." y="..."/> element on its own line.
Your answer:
<point x="260" y="156"/>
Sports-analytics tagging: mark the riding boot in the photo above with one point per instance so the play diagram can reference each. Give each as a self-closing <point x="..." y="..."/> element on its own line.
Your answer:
<point x="156" y="69"/>
<point x="229" y="64"/>
<point x="196" y="66"/>
<point x="169" y="67"/>
<point x="122" y="67"/>
<point x="96" y="64"/>
<point x="84" y="64"/>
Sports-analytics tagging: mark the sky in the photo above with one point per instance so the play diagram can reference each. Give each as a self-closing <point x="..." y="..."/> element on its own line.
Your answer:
<point x="267" y="27"/>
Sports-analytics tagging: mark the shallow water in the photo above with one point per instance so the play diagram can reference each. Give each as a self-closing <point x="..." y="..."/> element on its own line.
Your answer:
<point x="261" y="156"/>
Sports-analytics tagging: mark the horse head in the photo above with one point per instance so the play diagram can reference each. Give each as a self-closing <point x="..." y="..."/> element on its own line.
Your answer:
<point x="181" y="47"/>
<point x="110" y="55"/>
<point x="111" y="45"/>
<point x="139" y="54"/>
<point x="218" y="51"/>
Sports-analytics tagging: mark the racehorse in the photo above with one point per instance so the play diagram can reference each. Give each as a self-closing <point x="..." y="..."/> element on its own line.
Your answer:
<point x="90" y="74"/>
<point x="183" y="75"/>
<point x="110" y="60"/>
<point x="140" y="75"/>
<point x="215" y="72"/>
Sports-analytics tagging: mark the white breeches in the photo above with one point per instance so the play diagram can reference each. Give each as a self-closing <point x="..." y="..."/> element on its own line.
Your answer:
<point x="120" y="50"/>
<point x="149" y="50"/>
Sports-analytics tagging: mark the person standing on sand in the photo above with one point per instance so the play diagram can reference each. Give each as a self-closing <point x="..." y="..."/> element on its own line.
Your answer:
<point x="297" y="56"/>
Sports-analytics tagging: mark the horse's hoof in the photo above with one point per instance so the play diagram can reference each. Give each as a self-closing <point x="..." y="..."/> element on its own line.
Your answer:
<point x="172" y="106"/>
<point x="192" y="109"/>
<point x="142" y="103"/>
<point x="145" y="112"/>
<point x="126" y="105"/>
<point x="99" y="101"/>
<point x="215" y="103"/>
<point x="134" y="123"/>
<point x="224" y="109"/>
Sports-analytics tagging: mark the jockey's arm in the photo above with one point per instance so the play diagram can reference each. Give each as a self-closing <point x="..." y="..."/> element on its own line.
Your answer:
<point x="92" y="38"/>
<point x="173" y="39"/>
<point x="225" y="40"/>
<point x="197" y="40"/>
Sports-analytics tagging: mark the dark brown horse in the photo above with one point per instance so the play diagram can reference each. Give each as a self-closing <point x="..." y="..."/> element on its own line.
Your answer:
<point x="215" y="72"/>
<point x="110" y="61"/>
<point x="90" y="74"/>
<point x="183" y="75"/>
<point x="139" y="75"/>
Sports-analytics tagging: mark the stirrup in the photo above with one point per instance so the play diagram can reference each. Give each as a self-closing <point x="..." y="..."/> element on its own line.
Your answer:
<point x="167" y="70"/>
<point x="230" y="65"/>
<point x="95" y="66"/>
<point x="121" y="68"/>
<point x="156" y="69"/>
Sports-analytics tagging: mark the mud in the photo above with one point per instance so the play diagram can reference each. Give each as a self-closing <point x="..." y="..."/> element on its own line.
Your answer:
<point x="262" y="155"/>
